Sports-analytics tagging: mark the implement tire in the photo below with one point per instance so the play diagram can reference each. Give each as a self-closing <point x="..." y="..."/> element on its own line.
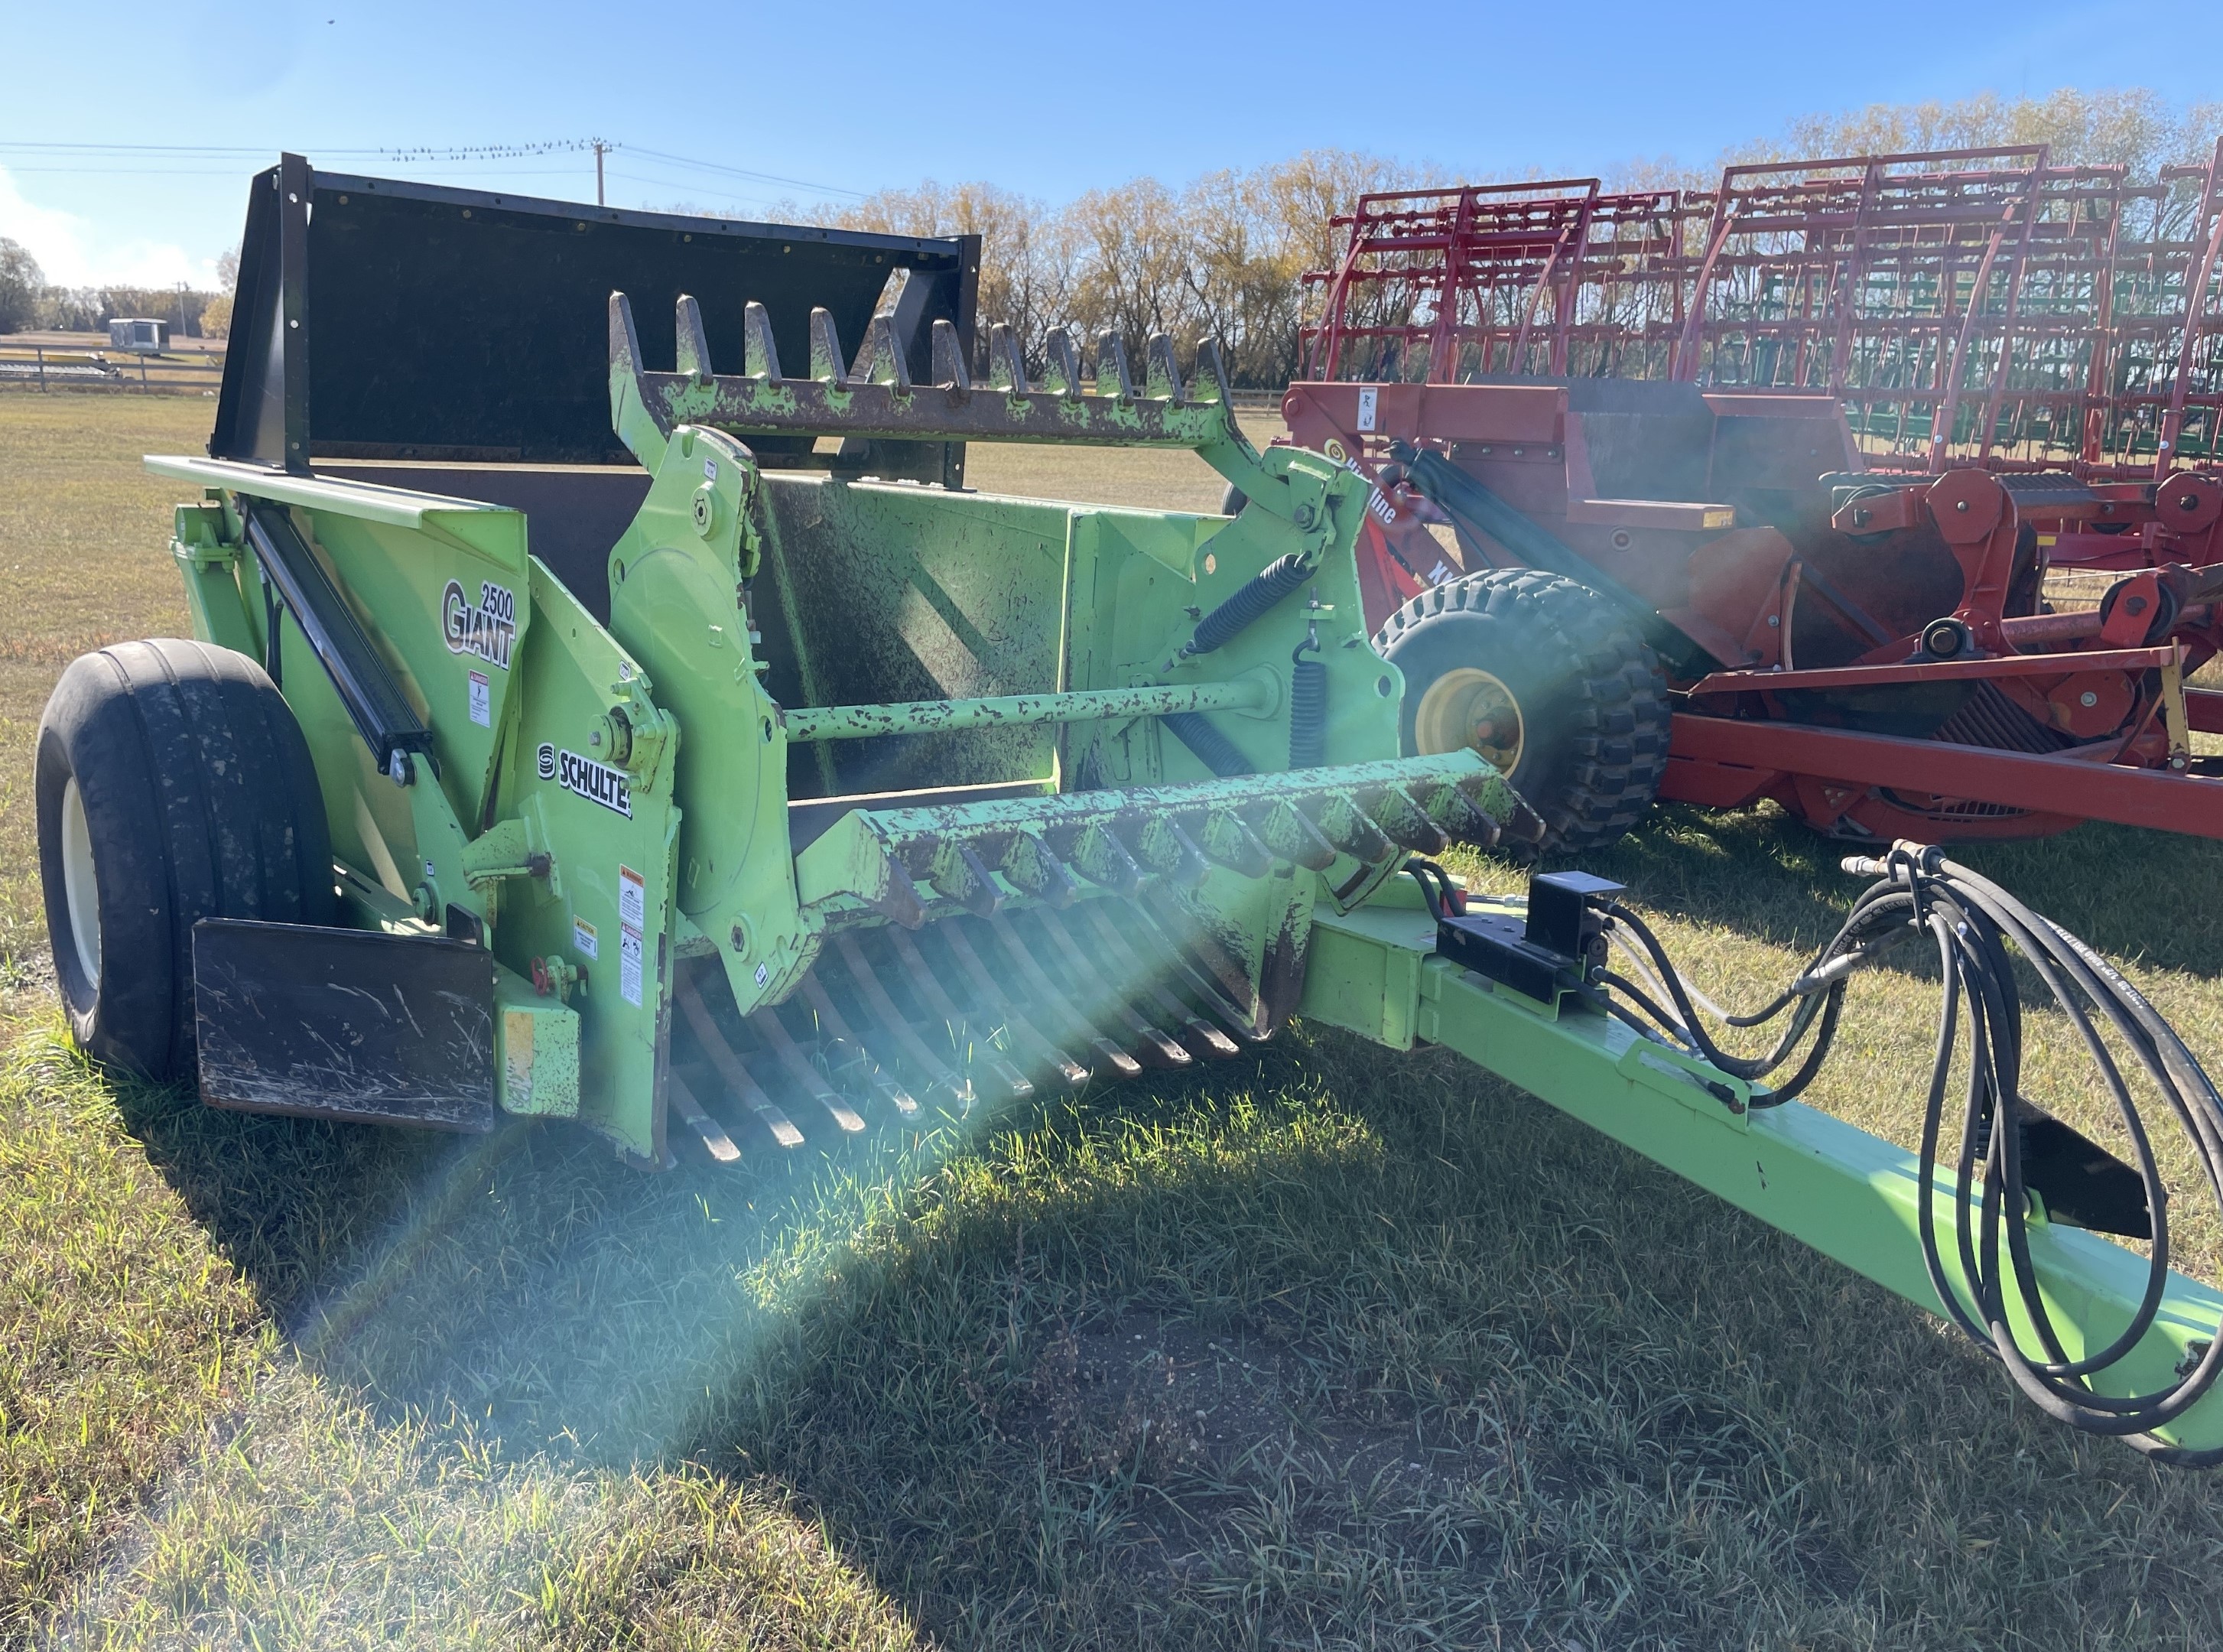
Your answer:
<point x="172" y="785"/>
<point x="1546" y="679"/>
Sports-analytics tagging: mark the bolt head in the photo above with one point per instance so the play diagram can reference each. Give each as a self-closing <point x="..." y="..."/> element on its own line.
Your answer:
<point x="2088" y="698"/>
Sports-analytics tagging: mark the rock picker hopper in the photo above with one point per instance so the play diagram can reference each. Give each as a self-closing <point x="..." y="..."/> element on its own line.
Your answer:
<point x="783" y="792"/>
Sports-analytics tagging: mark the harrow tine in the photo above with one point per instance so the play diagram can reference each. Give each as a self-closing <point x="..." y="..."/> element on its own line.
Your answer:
<point x="993" y="996"/>
<point x="1116" y="1062"/>
<point x="830" y="1018"/>
<point x="730" y="1069"/>
<point x="767" y="1027"/>
<point x="1151" y="1045"/>
<point x="689" y="1110"/>
<point x="1016" y="1084"/>
<point x="1203" y="1037"/>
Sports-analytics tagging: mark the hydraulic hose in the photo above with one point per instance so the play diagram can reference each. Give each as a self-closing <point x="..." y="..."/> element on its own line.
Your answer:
<point x="1977" y="928"/>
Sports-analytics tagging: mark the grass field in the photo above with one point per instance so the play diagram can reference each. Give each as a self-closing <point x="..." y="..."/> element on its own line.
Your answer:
<point x="1319" y="1349"/>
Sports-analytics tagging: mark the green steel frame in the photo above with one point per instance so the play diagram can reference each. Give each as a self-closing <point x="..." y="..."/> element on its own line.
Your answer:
<point x="605" y="801"/>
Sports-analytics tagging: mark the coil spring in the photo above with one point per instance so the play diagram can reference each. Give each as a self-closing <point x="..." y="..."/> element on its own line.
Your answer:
<point x="1213" y="749"/>
<point x="1221" y="626"/>
<point x="1307" y="708"/>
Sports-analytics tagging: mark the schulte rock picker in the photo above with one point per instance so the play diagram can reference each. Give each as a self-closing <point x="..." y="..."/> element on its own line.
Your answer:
<point x="421" y="831"/>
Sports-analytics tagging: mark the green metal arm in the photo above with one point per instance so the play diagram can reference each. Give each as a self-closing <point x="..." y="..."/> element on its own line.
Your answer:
<point x="1851" y="1196"/>
<point x="875" y="397"/>
<point x="1255" y="696"/>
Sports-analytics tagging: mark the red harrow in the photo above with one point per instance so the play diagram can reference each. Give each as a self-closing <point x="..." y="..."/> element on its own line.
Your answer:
<point x="1808" y="559"/>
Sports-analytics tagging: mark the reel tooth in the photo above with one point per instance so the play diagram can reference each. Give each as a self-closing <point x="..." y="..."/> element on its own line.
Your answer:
<point x="847" y="1056"/>
<point x="928" y="981"/>
<point x="1104" y="859"/>
<point x="1161" y="844"/>
<point x="1458" y="814"/>
<point x="1201" y="1037"/>
<point x="766" y="1024"/>
<point x="994" y="999"/>
<point x="1150" y="1044"/>
<point x="720" y="1145"/>
<point x="1405" y="824"/>
<point x="713" y="1040"/>
<point x="1285" y="830"/>
<point x="1031" y="865"/>
<point x="1113" y="1062"/>
<point x="1344" y="824"/>
<point x="1228" y="840"/>
<point x="956" y="872"/>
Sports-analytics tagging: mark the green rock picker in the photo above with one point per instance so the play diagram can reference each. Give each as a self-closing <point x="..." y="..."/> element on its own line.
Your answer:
<point x="738" y="781"/>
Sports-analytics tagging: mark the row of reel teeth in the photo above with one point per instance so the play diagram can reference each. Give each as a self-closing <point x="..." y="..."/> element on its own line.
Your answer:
<point x="901" y="1027"/>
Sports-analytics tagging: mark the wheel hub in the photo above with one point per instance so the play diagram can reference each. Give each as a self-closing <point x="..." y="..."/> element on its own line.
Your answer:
<point x="1470" y="708"/>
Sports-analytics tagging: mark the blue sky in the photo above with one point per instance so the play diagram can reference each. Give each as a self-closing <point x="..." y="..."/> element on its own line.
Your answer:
<point x="1049" y="100"/>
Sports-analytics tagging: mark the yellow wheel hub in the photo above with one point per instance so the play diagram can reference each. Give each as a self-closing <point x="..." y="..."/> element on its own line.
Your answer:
<point x="1468" y="708"/>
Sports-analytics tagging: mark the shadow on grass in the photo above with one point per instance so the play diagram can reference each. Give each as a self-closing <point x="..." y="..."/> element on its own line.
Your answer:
<point x="1461" y="1368"/>
<point x="2153" y="898"/>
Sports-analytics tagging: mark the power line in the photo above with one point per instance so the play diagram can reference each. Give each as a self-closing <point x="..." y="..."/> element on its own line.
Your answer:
<point x="743" y="172"/>
<point x="420" y="154"/>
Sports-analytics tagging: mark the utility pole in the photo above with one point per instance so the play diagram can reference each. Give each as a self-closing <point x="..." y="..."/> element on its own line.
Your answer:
<point x="601" y="149"/>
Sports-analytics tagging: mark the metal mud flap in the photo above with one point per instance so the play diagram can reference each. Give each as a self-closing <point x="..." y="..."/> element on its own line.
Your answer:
<point x="345" y="1023"/>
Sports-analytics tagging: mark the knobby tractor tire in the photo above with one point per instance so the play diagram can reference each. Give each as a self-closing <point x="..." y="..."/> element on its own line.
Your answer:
<point x="1568" y="700"/>
<point x="172" y="785"/>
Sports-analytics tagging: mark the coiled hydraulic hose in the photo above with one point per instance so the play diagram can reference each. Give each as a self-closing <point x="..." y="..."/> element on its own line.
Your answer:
<point x="1974" y="922"/>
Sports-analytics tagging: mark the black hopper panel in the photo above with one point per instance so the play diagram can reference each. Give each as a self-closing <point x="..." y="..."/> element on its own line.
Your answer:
<point x="458" y="325"/>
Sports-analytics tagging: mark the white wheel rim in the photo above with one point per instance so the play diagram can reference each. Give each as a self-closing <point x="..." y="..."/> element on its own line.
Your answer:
<point x="80" y="887"/>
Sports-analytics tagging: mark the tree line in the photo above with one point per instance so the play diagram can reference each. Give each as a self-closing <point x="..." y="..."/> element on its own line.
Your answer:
<point x="29" y="302"/>
<point x="1225" y="255"/>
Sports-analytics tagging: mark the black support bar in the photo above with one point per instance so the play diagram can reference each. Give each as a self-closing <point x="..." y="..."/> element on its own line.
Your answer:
<point x="387" y="723"/>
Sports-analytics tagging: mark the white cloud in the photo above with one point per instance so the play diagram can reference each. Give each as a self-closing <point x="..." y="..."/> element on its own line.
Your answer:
<point x="74" y="252"/>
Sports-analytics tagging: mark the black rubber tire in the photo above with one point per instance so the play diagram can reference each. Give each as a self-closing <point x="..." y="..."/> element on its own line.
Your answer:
<point x="199" y="800"/>
<point x="1231" y="500"/>
<point x="1592" y="699"/>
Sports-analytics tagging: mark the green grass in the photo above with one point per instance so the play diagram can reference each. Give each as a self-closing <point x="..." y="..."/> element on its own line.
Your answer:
<point x="1318" y="1348"/>
<point x="82" y="533"/>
